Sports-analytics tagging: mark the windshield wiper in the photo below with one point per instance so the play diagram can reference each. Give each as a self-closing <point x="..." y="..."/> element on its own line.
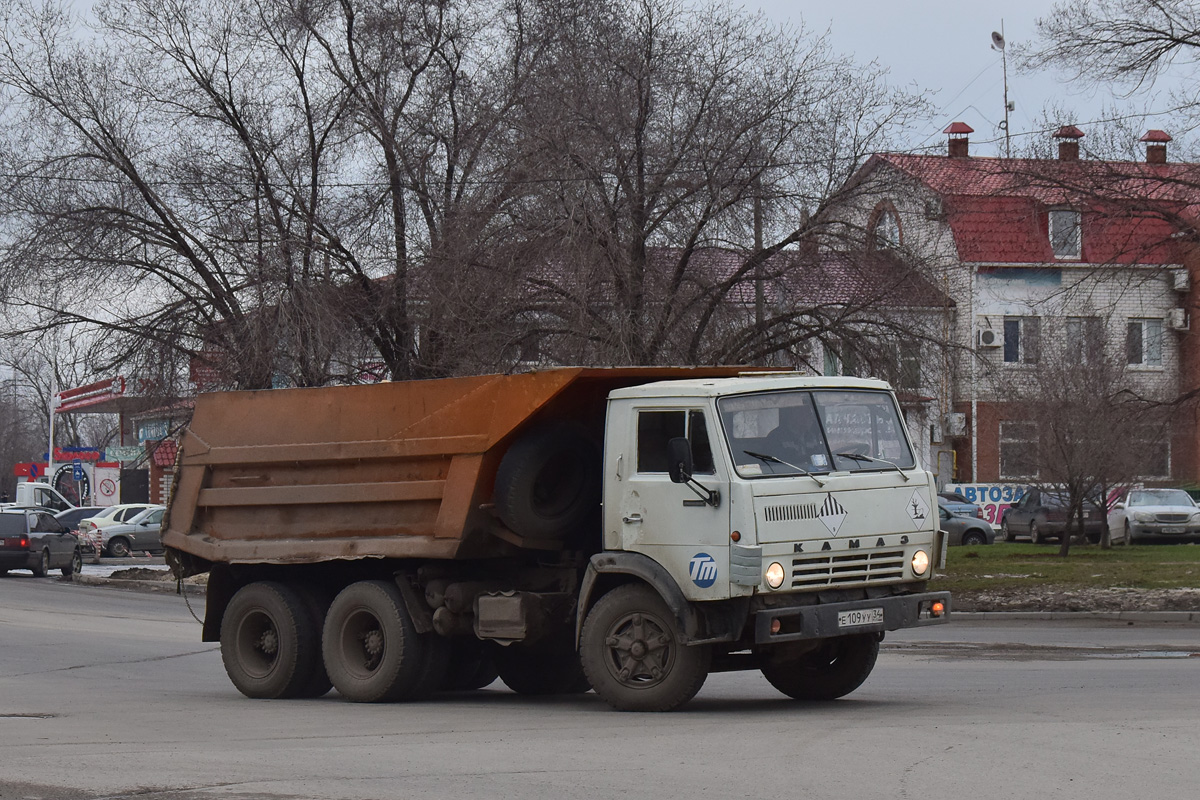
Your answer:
<point x="773" y="460"/>
<point x="861" y="457"/>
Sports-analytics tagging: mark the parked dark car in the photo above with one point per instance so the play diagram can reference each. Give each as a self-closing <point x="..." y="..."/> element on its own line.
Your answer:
<point x="965" y="530"/>
<point x="73" y="516"/>
<point x="32" y="539"/>
<point x="1040" y="515"/>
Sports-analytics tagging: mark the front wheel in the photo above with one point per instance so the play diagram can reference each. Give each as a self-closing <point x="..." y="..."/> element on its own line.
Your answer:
<point x="1128" y="534"/>
<point x="835" y="669"/>
<point x="118" y="547"/>
<point x="76" y="565"/>
<point x="632" y="654"/>
<point x="1005" y="534"/>
<point x="1035" y="536"/>
<point x="974" y="539"/>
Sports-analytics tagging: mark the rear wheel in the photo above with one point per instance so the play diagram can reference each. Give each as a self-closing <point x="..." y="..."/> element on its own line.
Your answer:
<point x="472" y="666"/>
<point x="269" y="642"/>
<point x="836" y="668"/>
<point x="633" y="656"/>
<point x="316" y="601"/>
<point x="542" y="669"/>
<point x="42" y="566"/>
<point x="118" y="547"/>
<point x="76" y="565"/>
<point x="372" y="651"/>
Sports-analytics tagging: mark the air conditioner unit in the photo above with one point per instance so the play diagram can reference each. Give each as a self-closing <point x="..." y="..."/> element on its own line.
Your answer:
<point x="1177" y="319"/>
<point x="1180" y="280"/>
<point x="987" y="337"/>
<point x="956" y="424"/>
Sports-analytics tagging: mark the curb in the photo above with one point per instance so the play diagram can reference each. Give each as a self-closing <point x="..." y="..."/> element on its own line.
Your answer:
<point x="160" y="587"/>
<point x="1081" y="616"/>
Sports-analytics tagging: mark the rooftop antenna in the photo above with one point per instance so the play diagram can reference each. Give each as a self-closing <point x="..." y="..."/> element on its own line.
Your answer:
<point x="998" y="44"/>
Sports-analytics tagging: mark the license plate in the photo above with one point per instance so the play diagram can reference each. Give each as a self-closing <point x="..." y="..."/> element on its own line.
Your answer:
<point x="1172" y="529"/>
<point x="860" y="616"/>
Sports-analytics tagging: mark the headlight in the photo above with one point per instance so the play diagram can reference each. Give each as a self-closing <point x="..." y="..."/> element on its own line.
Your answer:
<point x="1142" y="516"/>
<point x="920" y="562"/>
<point x="775" y="575"/>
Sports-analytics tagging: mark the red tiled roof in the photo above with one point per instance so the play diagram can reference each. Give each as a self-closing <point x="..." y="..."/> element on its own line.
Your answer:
<point x="997" y="208"/>
<point x="164" y="452"/>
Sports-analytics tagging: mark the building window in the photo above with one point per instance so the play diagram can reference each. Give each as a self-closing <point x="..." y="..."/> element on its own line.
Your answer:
<point x="1018" y="450"/>
<point x="1156" y="453"/>
<point x="1065" y="233"/>
<point x="1144" y="342"/>
<point x="1022" y="337"/>
<point x="885" y="227"/>
<point x="1085" y="339"/>
<point x="907" y="369"/>
<point x="840" y="359"/>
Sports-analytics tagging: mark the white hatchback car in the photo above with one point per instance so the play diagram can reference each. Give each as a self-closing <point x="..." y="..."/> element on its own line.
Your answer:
<point x="1154" y="515"/>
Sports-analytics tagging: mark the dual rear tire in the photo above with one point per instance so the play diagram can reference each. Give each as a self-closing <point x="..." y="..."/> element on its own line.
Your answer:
<point x="284" y="641"/>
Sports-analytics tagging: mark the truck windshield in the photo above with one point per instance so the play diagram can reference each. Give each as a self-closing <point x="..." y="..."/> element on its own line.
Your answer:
<point x="798" y="432"/>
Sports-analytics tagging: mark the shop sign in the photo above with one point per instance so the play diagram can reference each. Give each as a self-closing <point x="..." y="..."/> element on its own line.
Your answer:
<point x="125" y="452"/>
<point x="153" y="430"/>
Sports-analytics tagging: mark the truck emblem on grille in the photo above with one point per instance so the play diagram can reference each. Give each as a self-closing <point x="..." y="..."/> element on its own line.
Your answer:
<point x="832" y="514"/>
<point x="918" y="509"/>
<point x="703" y="570"/>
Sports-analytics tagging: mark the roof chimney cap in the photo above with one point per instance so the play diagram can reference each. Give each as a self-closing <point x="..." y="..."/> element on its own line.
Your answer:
<point x="1155" y="135"/>
<point x="959" y="128"/>
<point x="1069" y="132"/>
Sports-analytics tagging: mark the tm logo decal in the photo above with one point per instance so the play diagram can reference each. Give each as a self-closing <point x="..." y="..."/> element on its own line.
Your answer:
<point x="703" y="570"/>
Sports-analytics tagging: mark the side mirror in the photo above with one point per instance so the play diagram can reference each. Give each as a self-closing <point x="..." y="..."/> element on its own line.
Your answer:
<point x="679" y="459"/>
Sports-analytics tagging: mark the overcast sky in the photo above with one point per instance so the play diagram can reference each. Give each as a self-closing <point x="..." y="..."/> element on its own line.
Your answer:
<point x="945" y="45"/>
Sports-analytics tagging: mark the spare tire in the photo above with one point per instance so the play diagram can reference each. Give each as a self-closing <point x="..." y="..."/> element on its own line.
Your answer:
<point x="548" y="483"/>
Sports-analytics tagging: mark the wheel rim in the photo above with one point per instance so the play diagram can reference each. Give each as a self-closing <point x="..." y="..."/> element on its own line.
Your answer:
<point x="119" y="548"/>
<point x="1033" y="532"/>
<point x="362" y="643"/>
<point x="77" y="562"/>
<point x="258" y="643"/>
<point x="45" y="562"/>
<point x="641" y="650"/>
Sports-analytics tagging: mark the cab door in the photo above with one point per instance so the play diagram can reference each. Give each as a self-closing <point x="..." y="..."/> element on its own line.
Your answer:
<point x="668" y="521"/>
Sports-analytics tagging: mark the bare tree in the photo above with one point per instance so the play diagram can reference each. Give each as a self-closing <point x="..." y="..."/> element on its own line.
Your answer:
<point x="1097" y="427"/>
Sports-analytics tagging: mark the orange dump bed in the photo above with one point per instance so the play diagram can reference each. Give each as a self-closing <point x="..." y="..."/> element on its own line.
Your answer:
<point x="389" y="470"/>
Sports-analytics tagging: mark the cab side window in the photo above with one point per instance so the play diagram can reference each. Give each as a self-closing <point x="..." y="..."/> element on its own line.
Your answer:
<point x="656" y="428"/>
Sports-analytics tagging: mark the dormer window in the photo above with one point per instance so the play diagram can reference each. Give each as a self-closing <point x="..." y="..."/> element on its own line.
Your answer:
<point x="1065" y="236"/>
<point x="885" y="227"/>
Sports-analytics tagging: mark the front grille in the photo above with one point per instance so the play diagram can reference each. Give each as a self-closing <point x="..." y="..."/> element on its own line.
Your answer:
<point x="847" y="569"/>
<point x="790" y="512"/>
<point x="1172" y="518"/>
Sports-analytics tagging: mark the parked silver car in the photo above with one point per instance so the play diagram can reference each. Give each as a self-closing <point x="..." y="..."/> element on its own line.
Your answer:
<point x="965" y="530"/>
<point x="1154" y="515"/>
<point x="139" y="533"/>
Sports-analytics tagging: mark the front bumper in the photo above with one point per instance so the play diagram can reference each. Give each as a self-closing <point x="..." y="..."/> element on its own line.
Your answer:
<point x="821" y="621"/>
<point x="1164" y="531"/>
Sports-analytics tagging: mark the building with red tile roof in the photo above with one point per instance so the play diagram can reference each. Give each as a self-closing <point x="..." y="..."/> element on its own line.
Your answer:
<point x="1039" y="252"/>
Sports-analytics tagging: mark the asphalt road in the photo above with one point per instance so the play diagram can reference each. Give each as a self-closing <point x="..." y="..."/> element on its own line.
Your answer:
<point x="107" y="693"/>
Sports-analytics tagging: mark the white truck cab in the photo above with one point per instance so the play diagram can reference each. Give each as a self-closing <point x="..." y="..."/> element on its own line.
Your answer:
<point x="43" y="495"/>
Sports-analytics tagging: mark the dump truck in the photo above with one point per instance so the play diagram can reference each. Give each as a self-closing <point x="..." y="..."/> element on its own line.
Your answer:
<point x="627" y="530"/>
